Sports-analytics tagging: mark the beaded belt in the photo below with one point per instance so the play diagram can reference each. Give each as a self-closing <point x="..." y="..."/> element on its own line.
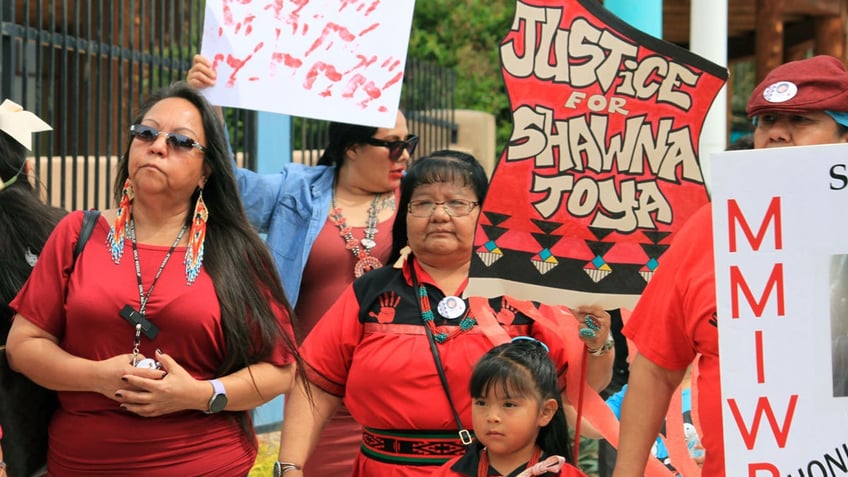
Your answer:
<point x="411" y="447"/>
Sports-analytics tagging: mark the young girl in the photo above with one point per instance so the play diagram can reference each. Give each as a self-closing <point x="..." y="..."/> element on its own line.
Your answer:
<point x="517" y="416"/>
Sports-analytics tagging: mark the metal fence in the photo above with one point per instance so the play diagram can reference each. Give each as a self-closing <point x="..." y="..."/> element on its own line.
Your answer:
<point x="85" y="65"/>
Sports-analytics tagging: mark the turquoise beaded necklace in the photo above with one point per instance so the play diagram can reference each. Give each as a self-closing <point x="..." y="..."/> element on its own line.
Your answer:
<point x="465" y="324"/>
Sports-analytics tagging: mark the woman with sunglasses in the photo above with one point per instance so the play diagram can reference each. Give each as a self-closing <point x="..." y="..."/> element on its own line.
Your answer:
<point x="170" y="325"/>
<point x="400" y="344"/>
<point x="327" y="225"/>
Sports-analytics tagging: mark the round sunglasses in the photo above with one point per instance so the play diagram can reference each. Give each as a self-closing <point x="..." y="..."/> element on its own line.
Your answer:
<point x="175" y="140"/>
<point x="396" y="148"/>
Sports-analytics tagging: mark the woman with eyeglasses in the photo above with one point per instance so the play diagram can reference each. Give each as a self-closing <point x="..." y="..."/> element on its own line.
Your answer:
<point x="327" y="225"/>
<point x="400" y="343"/>
<point x="170" y="325"/>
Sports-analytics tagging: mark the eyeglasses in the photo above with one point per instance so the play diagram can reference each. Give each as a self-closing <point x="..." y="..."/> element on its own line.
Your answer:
<point x="396" y="147"/>
<point x="454" y="208"/>
<point x="176" y="140"/>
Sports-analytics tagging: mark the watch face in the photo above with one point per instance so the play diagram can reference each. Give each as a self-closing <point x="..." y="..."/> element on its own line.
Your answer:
<point x="218" y="403"/>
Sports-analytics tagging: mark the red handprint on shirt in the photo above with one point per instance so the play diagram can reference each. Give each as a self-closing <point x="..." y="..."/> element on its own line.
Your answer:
<point x="506" y="315"/>
<point x="388" y="302"/>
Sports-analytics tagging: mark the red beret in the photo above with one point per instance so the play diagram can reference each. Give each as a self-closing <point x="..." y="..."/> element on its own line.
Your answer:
<point x="819" y="83"/>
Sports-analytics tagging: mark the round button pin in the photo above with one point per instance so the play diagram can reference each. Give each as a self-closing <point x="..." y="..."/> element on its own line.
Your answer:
<point x="451" y="307"/>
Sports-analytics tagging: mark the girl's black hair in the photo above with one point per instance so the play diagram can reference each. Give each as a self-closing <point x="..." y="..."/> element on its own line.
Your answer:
<point x="343" y="136"/>
<point x="241" y="267"/>
<point x="523" y="368"/>
<point x="25" y="224"/>
<point x="439" y="166"/>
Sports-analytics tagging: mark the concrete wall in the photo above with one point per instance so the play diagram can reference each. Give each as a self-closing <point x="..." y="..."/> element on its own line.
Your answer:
<point x="476" y="135"/>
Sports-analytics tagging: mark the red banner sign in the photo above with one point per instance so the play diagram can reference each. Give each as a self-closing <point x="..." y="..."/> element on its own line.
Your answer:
<point x="602" y="167"/>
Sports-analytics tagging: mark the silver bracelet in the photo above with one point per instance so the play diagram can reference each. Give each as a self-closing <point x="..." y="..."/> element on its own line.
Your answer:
<point x="605" y="348"/>
<point x="281" y="468"/>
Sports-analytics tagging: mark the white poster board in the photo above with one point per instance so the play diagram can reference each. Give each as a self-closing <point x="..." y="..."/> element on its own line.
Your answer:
<point x="781" y="233"/>
<point x="337" y="60"/>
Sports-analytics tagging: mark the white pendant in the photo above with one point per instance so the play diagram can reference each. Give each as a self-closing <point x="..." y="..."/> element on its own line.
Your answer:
<point x="148" y="363"/>
<point x="368" y="243"/>
<point x="451" y="307"/>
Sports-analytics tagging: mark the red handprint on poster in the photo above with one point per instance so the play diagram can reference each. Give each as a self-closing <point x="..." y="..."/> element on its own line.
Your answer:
<point x="331" y="60"/>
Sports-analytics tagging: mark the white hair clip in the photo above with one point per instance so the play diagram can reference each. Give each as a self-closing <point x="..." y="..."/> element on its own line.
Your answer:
<point x="19" y="123"/>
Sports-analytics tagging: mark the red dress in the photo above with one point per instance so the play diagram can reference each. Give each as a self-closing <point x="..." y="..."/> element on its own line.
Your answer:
<point x="675" y="320"/>
<point x="89" y="433"/>
<point x="371" y="349"/>
<point x="328" y="272"/>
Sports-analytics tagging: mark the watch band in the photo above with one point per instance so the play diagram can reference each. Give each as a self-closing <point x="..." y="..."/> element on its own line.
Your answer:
<point x="218" y="401"/>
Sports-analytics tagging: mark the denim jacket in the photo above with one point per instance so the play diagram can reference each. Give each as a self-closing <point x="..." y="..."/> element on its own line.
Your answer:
<point x="291" y="208"/>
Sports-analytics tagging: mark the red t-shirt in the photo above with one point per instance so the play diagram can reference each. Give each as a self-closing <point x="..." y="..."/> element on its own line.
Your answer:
<point x="675" y="321"/>
<point x="90" y="434"/>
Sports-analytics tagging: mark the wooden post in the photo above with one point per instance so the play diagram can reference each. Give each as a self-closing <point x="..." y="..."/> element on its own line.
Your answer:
<point x="769" y="33"/>
<point x="830" y="34"/>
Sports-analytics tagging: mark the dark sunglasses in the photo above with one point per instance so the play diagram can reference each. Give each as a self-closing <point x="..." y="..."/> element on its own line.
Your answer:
<point x="176" y="140"/>
<point x="396" y="147"/>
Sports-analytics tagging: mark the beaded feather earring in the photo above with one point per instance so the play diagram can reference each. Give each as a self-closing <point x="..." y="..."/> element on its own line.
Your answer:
<point x="118" y="231"/>
<point x="194" y="251"/>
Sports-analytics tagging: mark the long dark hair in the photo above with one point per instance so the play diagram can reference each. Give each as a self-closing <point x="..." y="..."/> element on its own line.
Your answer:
<point x="343" y="136"/>
<point x="523" y="368"/>
<point x="25" y="224"/>
<point x="440" y="166"/>
<point x="236" y="258"/>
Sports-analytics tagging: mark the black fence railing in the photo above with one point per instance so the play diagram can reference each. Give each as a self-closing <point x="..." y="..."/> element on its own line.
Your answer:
<point x="84" y="66"/>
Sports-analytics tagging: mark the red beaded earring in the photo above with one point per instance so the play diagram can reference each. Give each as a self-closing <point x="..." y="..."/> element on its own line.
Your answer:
<point x="194" y="251"/>
<point x="118" y="232"/>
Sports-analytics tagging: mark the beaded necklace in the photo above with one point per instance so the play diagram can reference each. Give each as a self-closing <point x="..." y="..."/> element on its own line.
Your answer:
<point x="365" y="262"/>
<point x="465" y="324"/>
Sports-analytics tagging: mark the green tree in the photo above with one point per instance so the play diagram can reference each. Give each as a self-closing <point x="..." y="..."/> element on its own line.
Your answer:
<point x="464" y="35"/>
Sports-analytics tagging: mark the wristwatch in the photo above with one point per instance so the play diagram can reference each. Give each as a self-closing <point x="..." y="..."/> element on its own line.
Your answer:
<point x="218" y="401"/>
<point x="281" y="468"/>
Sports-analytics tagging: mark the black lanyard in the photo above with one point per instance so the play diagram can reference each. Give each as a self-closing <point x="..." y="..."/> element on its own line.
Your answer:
<point x="142" y="297"/>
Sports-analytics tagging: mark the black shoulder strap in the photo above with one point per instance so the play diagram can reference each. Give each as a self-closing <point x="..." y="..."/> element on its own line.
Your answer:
<point x="465" y="435"/>
<point x="89" y="220"/>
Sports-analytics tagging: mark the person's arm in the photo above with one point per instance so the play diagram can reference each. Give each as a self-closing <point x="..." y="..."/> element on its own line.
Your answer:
<point x="36" y="353"/>
<point x="201" y="75"/>
<point x="304" y="420"/>
<point x="649" y="391"/>
<point x="600" y="364"/>
<point x="246" y="388"/>
<point x="146" y="392"/>
<point x="599" y="370"/>
<point x="258" y="191"/>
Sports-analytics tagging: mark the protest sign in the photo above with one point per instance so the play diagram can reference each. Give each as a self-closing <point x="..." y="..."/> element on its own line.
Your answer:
<point x="602" y="167"/>
<point x="780" y="248"/>
<point x="333" y="60"/>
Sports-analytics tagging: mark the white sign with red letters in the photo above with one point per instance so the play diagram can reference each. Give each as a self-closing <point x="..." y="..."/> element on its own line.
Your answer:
<point x="781" y="239"/>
